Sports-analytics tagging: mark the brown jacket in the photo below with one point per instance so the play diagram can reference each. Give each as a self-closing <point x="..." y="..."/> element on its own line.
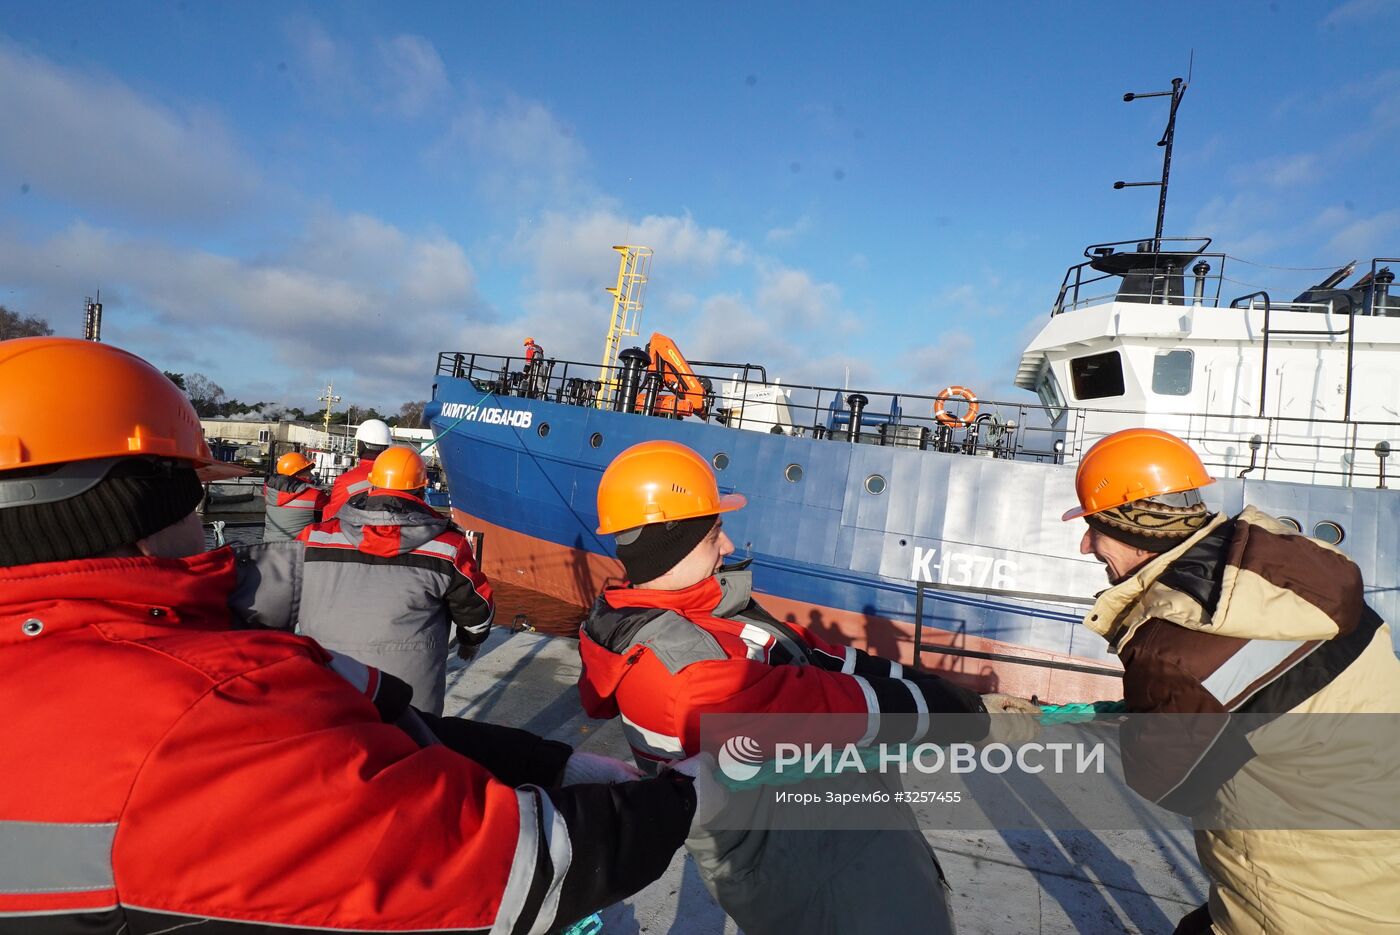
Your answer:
<point x="1236" y="633"/>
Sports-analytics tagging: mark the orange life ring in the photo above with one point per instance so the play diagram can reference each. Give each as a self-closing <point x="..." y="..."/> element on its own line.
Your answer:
<point x="947" y="418"/>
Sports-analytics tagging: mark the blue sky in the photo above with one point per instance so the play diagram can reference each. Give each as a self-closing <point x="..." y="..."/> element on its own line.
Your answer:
<point x="278" y="195"/>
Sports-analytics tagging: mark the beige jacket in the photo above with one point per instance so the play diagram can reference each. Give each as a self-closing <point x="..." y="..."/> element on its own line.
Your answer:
<point x="1237" y="633"/>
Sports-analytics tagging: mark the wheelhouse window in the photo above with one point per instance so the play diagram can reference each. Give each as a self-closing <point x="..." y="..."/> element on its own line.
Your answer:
<point x="1049" y="392"/>
<point x="1171" y="373"/>
<point x="1097" y="376"/>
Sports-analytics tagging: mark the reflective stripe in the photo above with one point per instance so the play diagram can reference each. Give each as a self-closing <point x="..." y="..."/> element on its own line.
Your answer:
<point x="662" y="745"/>
<point x="55" y="857"/>
<point x="522" y="866"/>
<point x="561" y="855"/>
<point x="321" y="537"/>
<point x="546" y="827"/>
<point x="848" y="660"/>
<point x="872" y="707"/>
<point x="438" y="548"/>
<point x="921" y="706"/>
<point x="896" y="670"/>
<point x="364" y="678"/>
<point x="357" y="487"/>
<point x="1253" y="661"/>
<point x="298" y="505"/>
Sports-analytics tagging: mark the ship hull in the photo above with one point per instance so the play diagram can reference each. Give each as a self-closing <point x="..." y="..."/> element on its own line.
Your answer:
<point x="1003" y="584"/>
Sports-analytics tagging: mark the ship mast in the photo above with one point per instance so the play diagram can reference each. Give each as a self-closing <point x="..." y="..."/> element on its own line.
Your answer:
<point x="1177" y="92"/>
<point x="632" y="270"/>
<point x="330" y="399"/>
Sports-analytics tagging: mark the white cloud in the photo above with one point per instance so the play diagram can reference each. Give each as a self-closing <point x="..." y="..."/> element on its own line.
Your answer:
<point x="1281" y="171"/>
<point x="413" y="76"/>
<point x="403" y="76"/>
<point x="573" y="250"/>
<point x="322" y="307"/>
<point x="799" y="227"/>
<point x="1361" y="236"/>
<point x="797" y="300"/>
<point x="1360" y="11"/>
<point x="518" y="153"/>
<point x="91" y="140"/>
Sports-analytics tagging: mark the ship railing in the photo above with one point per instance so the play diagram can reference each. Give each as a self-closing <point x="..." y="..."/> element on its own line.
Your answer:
<point x="1342" y="452"/>
<point x="1157" y="282"/>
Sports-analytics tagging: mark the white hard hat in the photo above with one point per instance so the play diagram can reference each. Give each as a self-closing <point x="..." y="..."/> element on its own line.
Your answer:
<point x="374" y="432"/>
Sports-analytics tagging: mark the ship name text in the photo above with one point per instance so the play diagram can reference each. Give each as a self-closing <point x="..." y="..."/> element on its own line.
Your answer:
<point x="491" y="415"/>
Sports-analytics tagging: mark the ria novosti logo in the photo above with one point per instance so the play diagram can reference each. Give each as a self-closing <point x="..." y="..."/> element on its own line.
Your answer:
<point x="740" y="758"/>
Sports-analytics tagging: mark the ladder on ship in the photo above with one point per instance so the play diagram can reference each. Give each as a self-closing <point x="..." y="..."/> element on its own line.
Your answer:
<point x="633" y="269"/>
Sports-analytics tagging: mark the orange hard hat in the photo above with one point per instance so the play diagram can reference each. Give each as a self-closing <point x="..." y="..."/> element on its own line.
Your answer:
<point x="529" y="340"/>
<point x="399" y="468"/>
<point x="656" y="482"/>
<point x="64" y="400"/>
<point x="1132" y="465"/>
<point x="293" y="463"/>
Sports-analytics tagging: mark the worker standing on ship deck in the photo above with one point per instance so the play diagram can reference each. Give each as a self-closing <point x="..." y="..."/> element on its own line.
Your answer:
<point x="534" y="369"/>
<point x="686" y="638"/>
<point x="166" y="769"/>
<point x="387" y="578"/>
<point x="1263" y="637"/>
<point x="371" y="438"/>
<point x="293" y="502"/>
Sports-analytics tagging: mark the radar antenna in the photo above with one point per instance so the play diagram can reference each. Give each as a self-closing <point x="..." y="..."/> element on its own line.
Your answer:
<point x="1177" y="92"/>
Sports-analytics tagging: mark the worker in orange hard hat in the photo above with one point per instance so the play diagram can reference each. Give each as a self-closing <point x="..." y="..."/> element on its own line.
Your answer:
<point x="388" y="577"/>
<point x="165" y="765"/>
<point x="685" y="638"/>
<point x="293" y="502"/>
<point x="1217" y="615"/>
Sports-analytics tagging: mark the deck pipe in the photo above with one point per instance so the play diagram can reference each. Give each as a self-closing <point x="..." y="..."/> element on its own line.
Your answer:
<point x="857" y="402"/>
<point x="1200" y="269"/>
<point x="634" y="361"/>
<point x="1380" y="303"/>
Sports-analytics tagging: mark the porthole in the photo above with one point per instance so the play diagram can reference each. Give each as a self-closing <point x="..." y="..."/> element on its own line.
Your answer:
<point x="720" y="461"/>
<point x="1291" y="523"/>
<point x="875" y="484"/>
<point x="595" y="440"/>
<point x="543" y="430"/>
<point x="1329" y="532"/>
<point x="793" y="472"/>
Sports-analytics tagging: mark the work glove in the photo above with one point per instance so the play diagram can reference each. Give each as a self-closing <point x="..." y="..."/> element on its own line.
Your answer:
<point x="710" y="796"/>
<point x="1013" y="720"/>
<point x="584" y="767"/>
<point x="467" y="651"/>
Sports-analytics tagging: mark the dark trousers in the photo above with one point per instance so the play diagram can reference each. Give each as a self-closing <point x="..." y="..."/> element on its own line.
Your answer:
<point x="1195" y="922"/>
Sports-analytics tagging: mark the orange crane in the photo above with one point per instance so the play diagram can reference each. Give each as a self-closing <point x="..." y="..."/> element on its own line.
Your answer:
<point x="687" y="394"/>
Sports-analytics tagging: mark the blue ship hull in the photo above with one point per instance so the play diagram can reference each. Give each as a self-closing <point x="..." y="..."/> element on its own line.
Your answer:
<point x="1003" y="578"/>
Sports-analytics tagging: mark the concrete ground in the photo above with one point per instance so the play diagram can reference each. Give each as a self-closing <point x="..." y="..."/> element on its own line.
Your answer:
<point x="1004" y="883"/>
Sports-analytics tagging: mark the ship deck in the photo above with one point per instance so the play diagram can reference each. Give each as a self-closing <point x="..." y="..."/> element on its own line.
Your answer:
<point x="1047" y="882"/>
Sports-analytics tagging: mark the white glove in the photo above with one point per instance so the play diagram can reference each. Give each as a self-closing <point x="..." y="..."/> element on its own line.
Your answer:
<point x="710" y="796"/>
<point x="1013" y="720"/>
<point x="584" y="767"/>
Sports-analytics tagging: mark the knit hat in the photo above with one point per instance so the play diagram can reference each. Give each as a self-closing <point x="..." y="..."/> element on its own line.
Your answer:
<point x="1158" y="524"/>
<point x="648" y="552"/>
<point x="137" y="497"/>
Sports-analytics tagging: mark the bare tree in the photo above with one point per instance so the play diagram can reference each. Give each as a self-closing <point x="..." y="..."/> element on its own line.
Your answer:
<point x="205" y="395"/>
<point x="13" y="326"/>
<point x="411" y="413"/>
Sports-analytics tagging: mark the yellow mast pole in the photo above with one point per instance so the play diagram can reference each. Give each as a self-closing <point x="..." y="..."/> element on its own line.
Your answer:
<point x="633" y="269"/>
<point x="329" y="399"/>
